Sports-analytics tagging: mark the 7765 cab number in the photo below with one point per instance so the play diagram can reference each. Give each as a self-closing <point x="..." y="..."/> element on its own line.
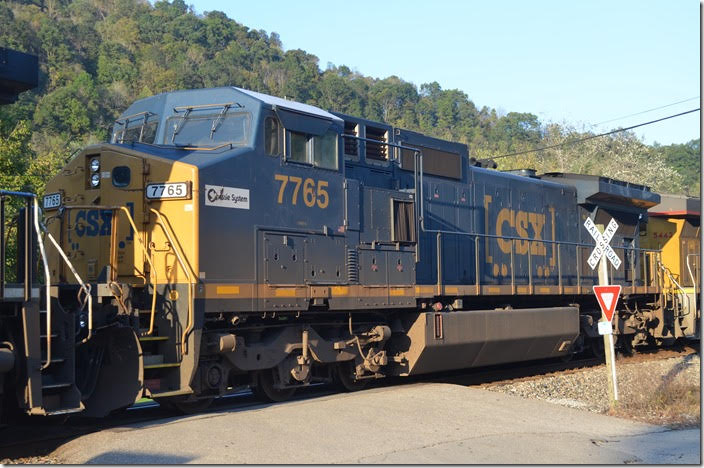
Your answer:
<point x="168" y="190"/>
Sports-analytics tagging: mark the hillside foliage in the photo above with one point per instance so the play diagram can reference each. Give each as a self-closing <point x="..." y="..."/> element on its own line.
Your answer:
<point x="97" y="56"/>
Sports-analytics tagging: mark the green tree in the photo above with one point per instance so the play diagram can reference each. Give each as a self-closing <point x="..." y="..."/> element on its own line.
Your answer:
<point x="71" y="109"/>
<point x="686" y="160"/>
<point x="98" y="56"/>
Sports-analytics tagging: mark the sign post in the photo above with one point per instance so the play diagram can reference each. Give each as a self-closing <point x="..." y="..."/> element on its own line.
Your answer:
<point x="607" y="296"/>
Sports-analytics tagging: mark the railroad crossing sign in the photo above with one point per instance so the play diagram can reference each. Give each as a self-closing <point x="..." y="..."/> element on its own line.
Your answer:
<point x="602" y="243"/>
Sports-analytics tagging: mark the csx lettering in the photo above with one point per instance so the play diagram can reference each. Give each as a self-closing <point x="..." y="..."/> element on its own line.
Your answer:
<point x="313" y="194"/>
<point x="92" y="223"/>
<point x="522" y="222"/>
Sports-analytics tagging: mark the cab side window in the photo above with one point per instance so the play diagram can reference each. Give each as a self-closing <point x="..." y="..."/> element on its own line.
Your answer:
<point x="272" y="136"/>
<point x="325" y="150"/>
<point x="316" y="150"/>
<point x="299" y="148"/>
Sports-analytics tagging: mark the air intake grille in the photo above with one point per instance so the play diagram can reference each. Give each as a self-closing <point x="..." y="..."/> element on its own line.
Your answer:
<point x="352" y="266"/>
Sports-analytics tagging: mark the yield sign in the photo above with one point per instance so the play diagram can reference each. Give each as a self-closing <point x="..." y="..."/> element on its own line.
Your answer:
<point x="607" y="297"/>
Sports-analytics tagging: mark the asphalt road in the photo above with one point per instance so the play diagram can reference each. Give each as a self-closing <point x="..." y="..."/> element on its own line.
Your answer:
<point x="419" y="423"/>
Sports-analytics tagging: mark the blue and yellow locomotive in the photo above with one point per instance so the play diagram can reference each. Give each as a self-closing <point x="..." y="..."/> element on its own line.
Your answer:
<point x="226" y="238"/>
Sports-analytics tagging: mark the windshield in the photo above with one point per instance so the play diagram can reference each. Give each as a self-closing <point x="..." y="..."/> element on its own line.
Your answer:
<point x="140" y="127"/>
<point x="208" y="130"/>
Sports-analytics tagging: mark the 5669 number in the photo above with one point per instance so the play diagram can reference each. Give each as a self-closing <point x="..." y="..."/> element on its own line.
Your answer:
<point x="168" y="190"/>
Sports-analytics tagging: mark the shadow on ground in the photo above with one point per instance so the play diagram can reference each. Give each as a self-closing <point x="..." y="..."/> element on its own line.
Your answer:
<point x="141" y="458"/>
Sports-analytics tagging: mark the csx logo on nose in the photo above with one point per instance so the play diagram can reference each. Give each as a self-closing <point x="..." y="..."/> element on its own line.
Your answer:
<point x="91" y="223"/>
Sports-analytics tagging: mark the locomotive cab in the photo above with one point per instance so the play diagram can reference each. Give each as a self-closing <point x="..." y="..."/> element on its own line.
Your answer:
<point x="184" y="214"/>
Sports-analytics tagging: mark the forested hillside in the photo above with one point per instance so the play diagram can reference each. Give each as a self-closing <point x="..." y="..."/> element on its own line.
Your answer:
<point x="97" y="56"/>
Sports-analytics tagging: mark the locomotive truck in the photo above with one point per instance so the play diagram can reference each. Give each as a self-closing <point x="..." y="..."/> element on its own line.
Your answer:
<point x="225" y="239"/>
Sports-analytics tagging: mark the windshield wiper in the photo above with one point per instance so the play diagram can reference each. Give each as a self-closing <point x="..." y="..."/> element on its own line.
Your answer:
<point x="216" y="122"/>
<point x="177" y="127"/>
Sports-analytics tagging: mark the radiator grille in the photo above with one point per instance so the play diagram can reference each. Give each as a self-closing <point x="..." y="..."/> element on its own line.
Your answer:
<point x="352" y="266"/>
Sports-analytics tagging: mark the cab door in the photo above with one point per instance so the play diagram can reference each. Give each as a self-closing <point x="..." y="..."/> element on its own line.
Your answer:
<point x="122" y="184"/>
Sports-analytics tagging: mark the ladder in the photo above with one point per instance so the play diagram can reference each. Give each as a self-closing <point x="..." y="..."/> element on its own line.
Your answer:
<point x="44" y="346"/>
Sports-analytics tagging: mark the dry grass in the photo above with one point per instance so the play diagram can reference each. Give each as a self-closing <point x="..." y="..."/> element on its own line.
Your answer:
<point x="669" y="401"/>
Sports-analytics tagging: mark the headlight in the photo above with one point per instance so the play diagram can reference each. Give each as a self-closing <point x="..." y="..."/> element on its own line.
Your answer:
<point x="95" y="180"/>
<point x="95" y="165"/>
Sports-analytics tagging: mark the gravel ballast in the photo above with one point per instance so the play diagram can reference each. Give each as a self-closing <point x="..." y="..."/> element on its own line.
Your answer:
<point x="650" y="391"/>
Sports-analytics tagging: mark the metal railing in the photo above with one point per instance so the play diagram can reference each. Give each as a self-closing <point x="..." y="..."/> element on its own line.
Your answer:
<point x="417" y="169"/>
<point x="28" y="270"/>
<point x="674" y="292"/>
<point x="420" y="200"/>
<point x="692" y="276"/>
<point x="153" y="278"/>
<point x="31" y="220"/>
<point x="649" y="257"/>
<point x="163" y="222"/>
<point x="112" y="261"/>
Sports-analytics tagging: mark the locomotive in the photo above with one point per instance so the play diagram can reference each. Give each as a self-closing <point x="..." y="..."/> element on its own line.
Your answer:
<point x="226" y="238"/>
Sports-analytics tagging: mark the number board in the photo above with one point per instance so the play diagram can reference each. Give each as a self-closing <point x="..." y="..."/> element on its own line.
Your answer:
<point x="52" y="201"/>
<point x="168" y="190"/>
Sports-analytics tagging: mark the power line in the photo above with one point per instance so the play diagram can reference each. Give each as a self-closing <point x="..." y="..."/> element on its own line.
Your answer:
<point x="595" y="136"/>
<point x="645" y="111"/>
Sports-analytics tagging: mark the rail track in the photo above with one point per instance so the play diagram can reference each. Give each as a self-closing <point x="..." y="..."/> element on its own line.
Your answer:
<point x="30" y="439"/>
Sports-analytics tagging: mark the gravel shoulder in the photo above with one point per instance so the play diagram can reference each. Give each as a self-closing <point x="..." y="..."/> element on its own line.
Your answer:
<point x="664" y="392"/>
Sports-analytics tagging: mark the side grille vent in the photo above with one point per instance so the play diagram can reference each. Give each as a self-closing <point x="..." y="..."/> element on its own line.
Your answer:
<point x="352" y="266"/>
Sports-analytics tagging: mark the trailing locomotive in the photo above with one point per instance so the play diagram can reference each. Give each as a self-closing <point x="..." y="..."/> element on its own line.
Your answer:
<point x="226" y="238"/>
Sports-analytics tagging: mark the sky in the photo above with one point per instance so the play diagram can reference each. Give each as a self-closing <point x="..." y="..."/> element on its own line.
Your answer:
<point x="580" y="62"/>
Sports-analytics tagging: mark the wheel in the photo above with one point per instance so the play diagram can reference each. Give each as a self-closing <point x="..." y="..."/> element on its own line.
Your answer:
<point x="344" y="378"/>
<point x="265" y="390"/>
<point x="625" y="346"/>
<point x="596" y="347"/>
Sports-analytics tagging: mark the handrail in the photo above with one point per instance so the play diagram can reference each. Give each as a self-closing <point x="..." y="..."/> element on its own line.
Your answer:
<point x="176" y="248"/>
<point x="47" y="281"/>
<point x="513" y="240"/>
<point x="84" y="287"/>
<point x="2" y="247"/>
<point x="677" y="285"/>
<point x="417" y="156"/>
<point x="382" y="143"/>
<point x="152" y="270"/>
<point x="420" y="212"/>
<point x="35" y="210"/>
<point x="420" y="200"/>
<point x="689" y="269"/>
<point x="547" y="241"/>
<point x="28" y="209"/>
<point x="18" y="194"/>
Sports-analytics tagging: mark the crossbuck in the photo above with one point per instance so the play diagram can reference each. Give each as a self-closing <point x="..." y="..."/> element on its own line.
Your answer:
<point x="602" y="243"/>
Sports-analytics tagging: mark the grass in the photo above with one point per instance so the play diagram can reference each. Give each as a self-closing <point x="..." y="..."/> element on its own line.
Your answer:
<point x="669" y="402"/>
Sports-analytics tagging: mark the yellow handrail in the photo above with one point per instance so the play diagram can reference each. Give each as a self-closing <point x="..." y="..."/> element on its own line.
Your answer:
<point x="181" y="262"/>
<point x="152" y="271"/>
